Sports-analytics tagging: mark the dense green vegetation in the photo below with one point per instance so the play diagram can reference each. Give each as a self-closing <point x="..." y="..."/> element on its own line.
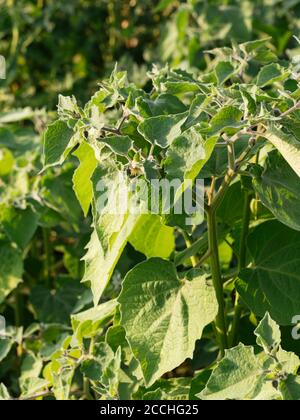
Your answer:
<point x="105" y="305"/>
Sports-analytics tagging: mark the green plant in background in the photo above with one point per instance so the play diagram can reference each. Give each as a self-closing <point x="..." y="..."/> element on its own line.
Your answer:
<point x="197" y="25"/>
<point x="148" y="306"/>
<point x="190" y="293"/>
<point x="54" y="46"/>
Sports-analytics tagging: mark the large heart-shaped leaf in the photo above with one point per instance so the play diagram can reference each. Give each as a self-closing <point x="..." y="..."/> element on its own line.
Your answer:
<point x="158" y="313"/>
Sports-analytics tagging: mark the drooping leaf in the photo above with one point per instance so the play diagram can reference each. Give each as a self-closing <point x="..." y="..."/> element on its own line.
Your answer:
<point x="100" y="267"/>
<point x="272" y="283"/>
<point x="279" y="190"/>
<point x="158" y="309"/>
<point x="152" y="238"/>
<point x="287" y="145"/>
<point x="82" y="183"/>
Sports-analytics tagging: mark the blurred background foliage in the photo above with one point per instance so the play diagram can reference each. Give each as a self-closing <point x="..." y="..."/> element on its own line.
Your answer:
<point x="54" y="46"/>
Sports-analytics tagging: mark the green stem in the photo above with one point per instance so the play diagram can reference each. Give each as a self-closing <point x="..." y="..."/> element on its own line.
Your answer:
<point x="194" y="258"/>
<point x="18" y="308"/>
<point x="242" y="264"/>
<point x="47" y="261"/>
<point x="229" y="177"/>
<point x="220" y="322"/>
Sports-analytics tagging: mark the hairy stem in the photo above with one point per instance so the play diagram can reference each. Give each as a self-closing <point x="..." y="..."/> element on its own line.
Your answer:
<point x="242" y="264"/>
<point x="220" y="322"/>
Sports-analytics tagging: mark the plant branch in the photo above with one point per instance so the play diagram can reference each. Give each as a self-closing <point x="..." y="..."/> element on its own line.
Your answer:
<point x="205" y="257"/>
<point x="220" y="322"/>
<point x="291" y="110"/>
<point x="111" y="130"/>
<point x="242" y="264"/>
<point x="194" y="258"/>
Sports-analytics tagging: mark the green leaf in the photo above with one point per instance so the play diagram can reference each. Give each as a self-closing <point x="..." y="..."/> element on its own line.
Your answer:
<point x="6" y="162"/>
<point x="234" y="377"/>
<point x="152" y="238"/>
<point x="11" y="269"/>
<point x="100" y="359"/>
<point x="5" y="347"/>
<point x="287" y="145"/>
<point x="268" y="335"/>
<point x="56" y="306"/>
<point x="158" y="311"/>
<point x="227" y="120"/>
<point x="278" y="188"/>
<point x="4" y="394"/>
<point x="290" y="388"/>
<point x="289" y="361"/>
<point x="62" y="382"/>
<point x="251" y="46"/>
<point x="30" y="369"/>
<point x="224" y="70"/>
<point x="16" y="115"/>
<point x="270" y="74"/>
<point x="118" y="144"/>
<point x="164" y="104"/>
<point x="82" y="183"/>
<point x="163" y="4"/>
<point x="99" y="266"/>
<point x="110" y="379"/>
<point x="59" y="140"/>
<point x="19" y="225"/>
<point x="94" y="318"/>
<point x="162" y="130"/>
<point x="188" y="154"/>
<point x="164" y="390"/>
<point x="230" y="212"/>
<point x="32" y="386"/>
<point x="272" y="283"/>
